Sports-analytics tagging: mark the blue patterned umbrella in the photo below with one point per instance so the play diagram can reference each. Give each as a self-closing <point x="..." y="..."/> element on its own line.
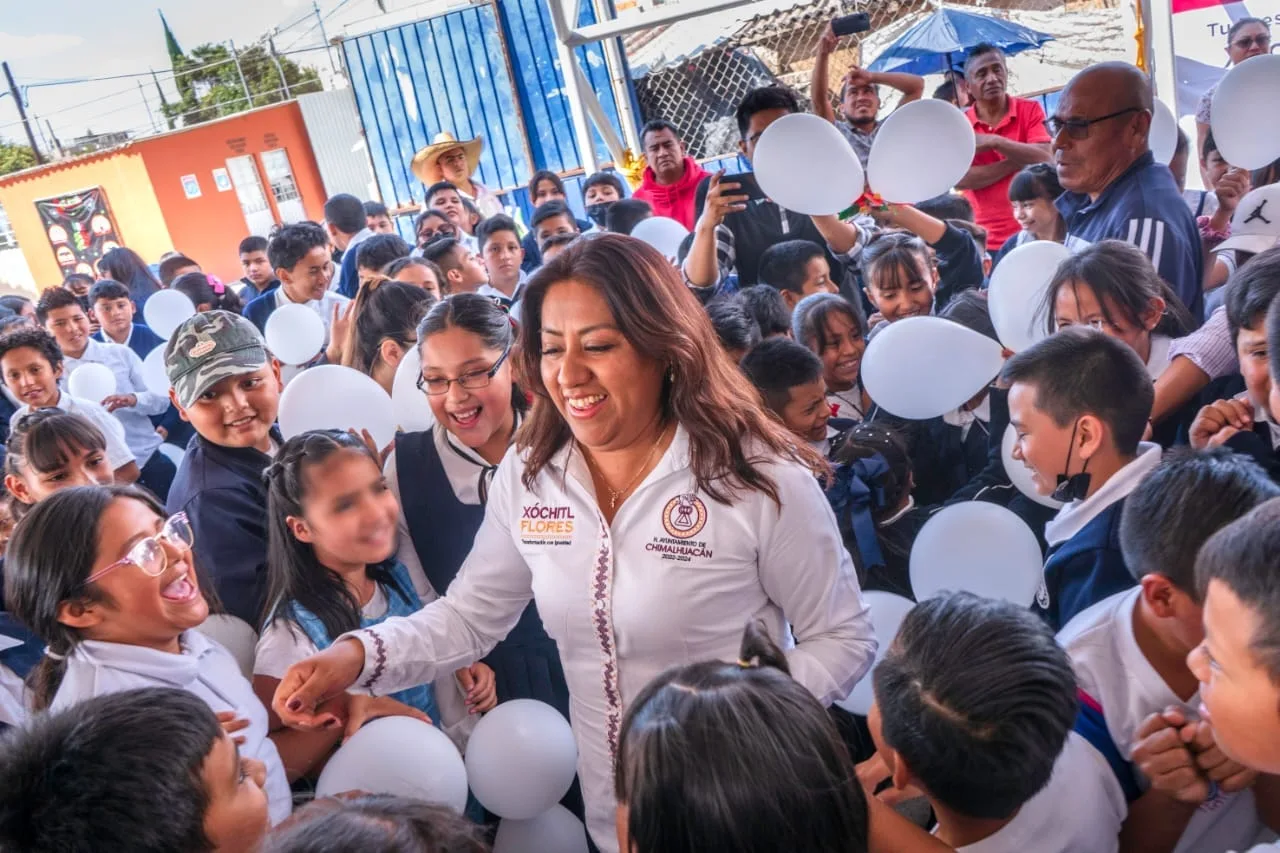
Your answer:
<point x="939" y="42"/>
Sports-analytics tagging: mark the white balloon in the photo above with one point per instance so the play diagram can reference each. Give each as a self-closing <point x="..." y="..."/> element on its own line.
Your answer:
<point x="1015" y="298"/>
<point x="662" y="233"/>
<point x="294" y="333"/>
<point x="1018" y="472"/>
<point x="921" y="150"/>
<point x="923" y="367"/>
<point x="153" y="372"/>
<point x="521" y="759"/>
<point x="330" y="396"/>
<point x="1163" y="136"/>
<point x="887" y="612"/>
<point x="412" y="411"/>
<point x="94" y="382"/>
<point x="1245" y="113"/>
<point x="174" y="453"/>
<point x="803" y="163"/>
<point x="977" y="547"/>
<point x="399" y="756"/>
<point x="553" y="831"/>
<point x="232" y="634"/>
<point x="165" y="310"/>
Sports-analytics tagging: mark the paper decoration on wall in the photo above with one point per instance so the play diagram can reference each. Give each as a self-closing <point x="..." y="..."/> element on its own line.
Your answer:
<point x="80" y="229"/>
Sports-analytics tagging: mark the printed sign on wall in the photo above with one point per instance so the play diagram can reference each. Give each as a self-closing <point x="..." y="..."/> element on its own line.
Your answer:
<point x="191" y="186"/>
<point x="80" y="229"/>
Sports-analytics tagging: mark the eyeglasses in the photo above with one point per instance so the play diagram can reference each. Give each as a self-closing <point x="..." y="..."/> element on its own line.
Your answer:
<point x="470" y="381"/>
<point x="1263" y="41"/>
<point x="149" y="555"/>
<point x="1078" y="128"/>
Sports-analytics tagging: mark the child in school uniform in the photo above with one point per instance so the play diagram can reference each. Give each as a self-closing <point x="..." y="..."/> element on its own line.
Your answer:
<point x="151" y="771"/>
<point x="1112" y="287"/>
<point x="1079" y="401"/>
<point x="1129" y="651"/>
<point x="132" y="403"/>
<point x="32" y="364"/>
<point x="870" y="493"/>
<point x="1246" y="422"/>
<point x="835" y="330"/>
<point x="109" y="584"/>
<point x="789" y="378"/>
<point x="1236" y="663"/>
<point x="50" y="450"/>
<point x="332" y="569"/>
<point x="915" y="269"/>
<point x="974" y="705"/>
<point x="442" y="477"/>
<point x="227" y="386"/>
<point x="796" y="269"/>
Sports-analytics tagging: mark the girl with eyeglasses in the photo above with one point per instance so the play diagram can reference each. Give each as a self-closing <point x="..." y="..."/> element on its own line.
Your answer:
<point x="110" y="585"/>
<point x="331" y="568"/>
<point x="442" y="476"/>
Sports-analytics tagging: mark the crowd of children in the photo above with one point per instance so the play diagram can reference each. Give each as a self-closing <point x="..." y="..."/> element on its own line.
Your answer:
<point x="1133" y="707"/>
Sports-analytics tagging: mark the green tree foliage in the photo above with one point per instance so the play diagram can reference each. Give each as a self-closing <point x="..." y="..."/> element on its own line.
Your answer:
<point x="210" y="87"/>
<point x="15" y="157"/>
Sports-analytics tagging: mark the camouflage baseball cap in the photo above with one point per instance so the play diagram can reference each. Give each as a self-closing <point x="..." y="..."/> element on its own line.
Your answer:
<point x="208" y="348"/>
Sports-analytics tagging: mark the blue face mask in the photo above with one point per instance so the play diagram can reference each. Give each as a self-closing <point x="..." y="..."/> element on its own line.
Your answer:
<point x="598" y="213"/>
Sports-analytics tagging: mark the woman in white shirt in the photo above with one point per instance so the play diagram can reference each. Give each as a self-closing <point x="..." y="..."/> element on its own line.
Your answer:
<point x="1113" y="287"/>
<point x="650" y="508"/>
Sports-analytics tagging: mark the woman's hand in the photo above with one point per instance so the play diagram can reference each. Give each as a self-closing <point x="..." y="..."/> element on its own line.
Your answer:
<point x="309" y="682"/>
<point x="480" y="685"/>
<point x="363" y="709"/>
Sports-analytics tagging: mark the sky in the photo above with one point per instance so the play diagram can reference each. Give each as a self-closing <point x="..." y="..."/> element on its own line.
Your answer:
<point x="89" y="38"/>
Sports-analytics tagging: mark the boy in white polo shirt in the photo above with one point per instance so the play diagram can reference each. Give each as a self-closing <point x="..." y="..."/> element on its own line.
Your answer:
<point x="974" y="705"/>
<point x="1238" y="664"/>
<point x="1129" y="652"/>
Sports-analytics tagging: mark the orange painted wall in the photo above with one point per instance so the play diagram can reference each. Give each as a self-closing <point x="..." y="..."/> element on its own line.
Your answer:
<point x="123" y="177"/>
<point x="210" y="227"/>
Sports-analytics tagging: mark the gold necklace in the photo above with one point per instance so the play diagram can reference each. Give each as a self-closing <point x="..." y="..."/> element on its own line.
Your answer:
<point x="616" y="494"/>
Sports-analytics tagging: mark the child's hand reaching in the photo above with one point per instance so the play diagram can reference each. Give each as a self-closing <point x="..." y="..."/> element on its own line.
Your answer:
<point x="1229" y="776"/>
<point x="1218" y="421"/>
<point x="1164" y="756"/>
<point x="231" y="724"/>
<point x="363" y="709"/>
<point x="480" y="685"/>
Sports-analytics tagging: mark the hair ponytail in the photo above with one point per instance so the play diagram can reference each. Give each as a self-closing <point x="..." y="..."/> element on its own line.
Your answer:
<point x="205" y="290"/>
<point x="293" y="571"/>
<point x="52" y="552"/>
<point x="759" y="649"/>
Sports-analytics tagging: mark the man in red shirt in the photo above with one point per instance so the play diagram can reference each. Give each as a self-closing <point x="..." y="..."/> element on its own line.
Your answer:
<point x="1010" y="133"/>
<point x="671" y="179"/>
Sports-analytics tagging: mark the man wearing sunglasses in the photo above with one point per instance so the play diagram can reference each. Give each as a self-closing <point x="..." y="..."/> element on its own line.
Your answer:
<point x="1114" y="188"/>
<point x="1247" y="38"/>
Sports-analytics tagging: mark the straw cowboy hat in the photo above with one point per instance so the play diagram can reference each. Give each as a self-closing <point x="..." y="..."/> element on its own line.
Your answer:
<point x="425" y="164"/>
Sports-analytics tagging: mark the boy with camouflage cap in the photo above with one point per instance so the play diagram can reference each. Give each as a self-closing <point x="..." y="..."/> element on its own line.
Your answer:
<point x="227" y="386"/>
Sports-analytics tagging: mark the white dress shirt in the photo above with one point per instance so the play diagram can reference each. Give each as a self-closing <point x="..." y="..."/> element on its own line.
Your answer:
<point x="118" y="452"/>
<point x="96" y="668"/>
<point x="139" y="433"/>
<point x="673" y="580"/>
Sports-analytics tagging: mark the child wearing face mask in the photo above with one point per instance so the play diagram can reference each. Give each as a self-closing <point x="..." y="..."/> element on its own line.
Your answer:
<point x="109" y="584"/>
<point x="332" y="569"/>
<point x="1078" y="402"/>
<point x="599" y="192"/>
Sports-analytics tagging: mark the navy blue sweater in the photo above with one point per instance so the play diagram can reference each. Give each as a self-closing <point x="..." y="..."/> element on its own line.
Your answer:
<point x="1085" y="569"/>
<point x="222" y="492"/>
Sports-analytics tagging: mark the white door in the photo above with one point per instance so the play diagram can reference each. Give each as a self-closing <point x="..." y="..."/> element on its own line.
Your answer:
<point x="283" y="187"/>
<point x="253" y="201"/>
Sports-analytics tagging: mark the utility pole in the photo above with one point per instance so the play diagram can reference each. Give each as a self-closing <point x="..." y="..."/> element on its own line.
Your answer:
<point x="56" y="143"/>
<point x="247" y="95"/>
<point x="163" y="103"/>
<point x="150" y="115"/>
<point x="284" y="84"/>
<point x="22" y="113"/>
<point x="328" y="49"/>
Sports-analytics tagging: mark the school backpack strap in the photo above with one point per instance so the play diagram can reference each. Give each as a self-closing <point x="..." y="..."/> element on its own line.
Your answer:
<point x="1092" y="726"/>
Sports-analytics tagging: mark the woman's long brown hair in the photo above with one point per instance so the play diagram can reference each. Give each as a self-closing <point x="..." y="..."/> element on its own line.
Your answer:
<point x="730" y="434"/>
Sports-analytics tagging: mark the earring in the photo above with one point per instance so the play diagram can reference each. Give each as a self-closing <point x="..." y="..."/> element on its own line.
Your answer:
<point x="671" y="373"/>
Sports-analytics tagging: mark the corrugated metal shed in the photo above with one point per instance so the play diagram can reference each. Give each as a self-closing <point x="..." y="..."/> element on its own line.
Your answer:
<point x="334" y="127"/>
<point x="486" y="70"/>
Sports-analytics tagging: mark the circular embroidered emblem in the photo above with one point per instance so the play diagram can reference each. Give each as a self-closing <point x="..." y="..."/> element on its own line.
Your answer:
<point x="684" y="516"/>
